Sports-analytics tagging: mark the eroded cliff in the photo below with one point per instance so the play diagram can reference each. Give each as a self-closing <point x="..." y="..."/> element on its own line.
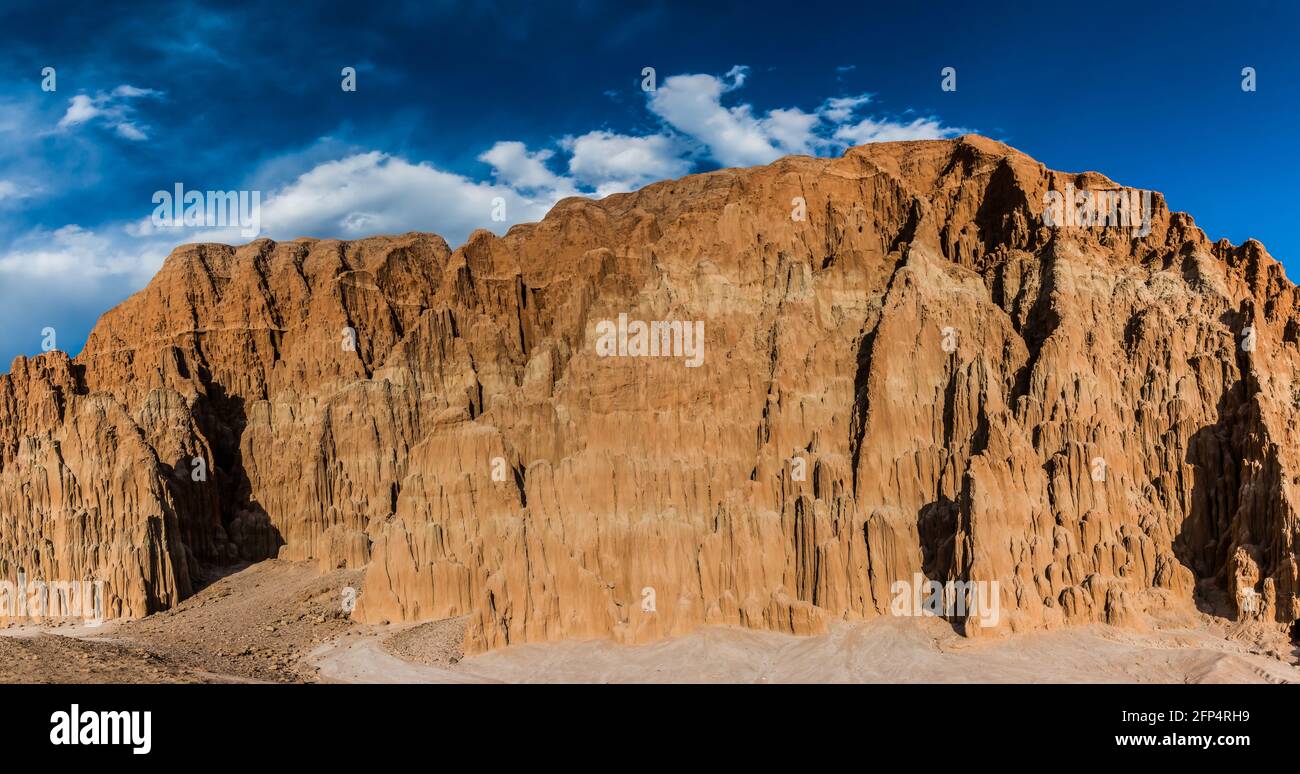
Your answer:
<point x="905" y="371"/>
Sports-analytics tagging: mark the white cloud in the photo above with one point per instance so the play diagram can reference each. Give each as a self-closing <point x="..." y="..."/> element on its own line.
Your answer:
<point x="737" y="135"/>
<point x="74" y="255"/>
<point x="514" y="166"/>
<point x="127" y="90"/>
<point x="736" y="76"/>
<point x="840" y="109"/>
<point x="130" y="131"/>
<point x="64" y="280"/>
<point x="792" y="131"/>
<point x="374" y="193"/>
<point x="871" y="130"/>
<point x="613" y="163"/>
<point x="369" y="193"/>
<point x="80" y="110"/>
<point x="113" y="109"/>
<point x="692" y="105"/>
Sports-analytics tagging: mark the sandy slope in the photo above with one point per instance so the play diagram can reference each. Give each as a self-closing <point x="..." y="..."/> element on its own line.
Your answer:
<point x="283" y="622"/>
<point x="36" y="657"/>
<point x="895" y="650"/>
<point x="366" y="660"/>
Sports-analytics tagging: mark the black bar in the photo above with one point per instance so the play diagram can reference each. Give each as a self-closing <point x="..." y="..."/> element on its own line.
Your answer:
<point x="304" y="723"/>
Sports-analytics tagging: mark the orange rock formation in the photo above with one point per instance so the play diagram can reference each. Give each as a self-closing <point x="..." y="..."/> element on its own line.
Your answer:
<point x="905" y="370"/>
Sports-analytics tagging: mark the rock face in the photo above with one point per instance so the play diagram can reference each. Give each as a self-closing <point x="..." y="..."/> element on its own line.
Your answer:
<point x="905" y="372"/>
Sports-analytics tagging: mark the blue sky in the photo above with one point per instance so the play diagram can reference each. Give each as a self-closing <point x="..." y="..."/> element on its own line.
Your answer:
<point x="460" y="103"/>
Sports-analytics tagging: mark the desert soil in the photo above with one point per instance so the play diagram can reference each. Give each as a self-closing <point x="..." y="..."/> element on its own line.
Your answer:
<point x="280" y="621"/>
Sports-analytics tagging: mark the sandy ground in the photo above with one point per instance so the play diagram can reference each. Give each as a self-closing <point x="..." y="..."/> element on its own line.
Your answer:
<point x="367" y="660"/>
<point x="284" y="622"/>
<point x="895" y="650"/>
<point x="35" y="657"/>
<point x="257" y="624"/>
<point x="437" y="643"/>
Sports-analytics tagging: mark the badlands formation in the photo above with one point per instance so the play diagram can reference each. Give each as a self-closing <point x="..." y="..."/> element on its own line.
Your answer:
<point x="904" y="373"/>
